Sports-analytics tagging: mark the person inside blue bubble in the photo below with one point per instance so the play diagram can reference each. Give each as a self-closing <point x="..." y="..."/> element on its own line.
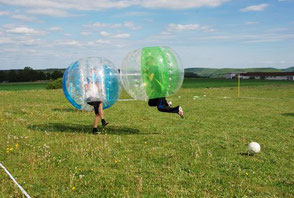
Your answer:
<point x="93" y="92"/>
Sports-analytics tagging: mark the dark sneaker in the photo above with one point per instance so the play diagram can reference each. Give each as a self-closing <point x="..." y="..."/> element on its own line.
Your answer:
<point x="104" y="124"/>
<point x="181" y="112"/>
<point x="95" y="131"/>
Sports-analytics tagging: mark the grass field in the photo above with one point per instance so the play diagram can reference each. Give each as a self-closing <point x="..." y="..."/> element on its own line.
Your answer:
<point x="22" y="86"/>
<point x="189" y="83"/>
<point x="214" y="82"/>
<point x="45" y="143"/>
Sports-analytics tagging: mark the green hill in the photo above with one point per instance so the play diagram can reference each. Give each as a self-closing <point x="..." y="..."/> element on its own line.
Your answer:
<point x="222" y="72"/>
<point x="205" y="72"/>
<point x="219" y="73"/>
<point x="290" y="69"/>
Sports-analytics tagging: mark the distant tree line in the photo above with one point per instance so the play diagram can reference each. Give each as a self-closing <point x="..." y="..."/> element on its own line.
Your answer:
<point x="191" y="75"/>
<point x="29" y="75"/>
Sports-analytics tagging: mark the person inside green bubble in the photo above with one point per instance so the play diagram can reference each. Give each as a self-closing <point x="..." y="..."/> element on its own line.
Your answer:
<point x="154" y="79"/>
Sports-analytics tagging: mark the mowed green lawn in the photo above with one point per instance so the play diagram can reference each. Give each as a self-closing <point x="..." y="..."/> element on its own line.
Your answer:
<point x="45" y="143"/>
<point x="188" y="83"/>
<point x="23" y="86"/>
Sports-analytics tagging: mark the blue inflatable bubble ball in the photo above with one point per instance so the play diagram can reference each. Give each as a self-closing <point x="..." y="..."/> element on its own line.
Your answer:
<point x="89" y="80"/>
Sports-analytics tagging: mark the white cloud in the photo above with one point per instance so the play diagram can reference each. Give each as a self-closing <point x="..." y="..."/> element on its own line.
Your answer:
<point x="126" y="24"/>
<point x="6" y="40"/>
<point x="22" y="40"/>
<point x="266" y="38"/>
<point x="123" y="35"/>
<point x="259" y="7"/>
<point x="104" y="25"/>
<point x="165" y="33"/>
<point x="23" y="17"/>
<point x="249" y="38"/>
<point x="134" y="14"/>
<point x="38" y="4"/>
<point x="55" y="29"/>
<point x="269" y="40"/>
<point x="30" y="41"/>
<point x="207" y="29"/>
<point x="100" y="41"/>
<point x="180" y="27"/>
<point x="279" y="30"/>
<point x="84" y="33"/>
<point x="131" y="25"/>
<point x="120" y="35"/>
<point x="179" y="4"/>
<point x="103" y="33"/>
<point x="107" y="4"/>
<point x="119" y="45"/>
<point x="9" y="50"/>
<point x="217" y="37"/>
<point x="2" y="13"/>
<point x="24" y="30"/>
<point x="180" y="39"/>
<point x="81" y="44"/>
<point x="50" y="12"/>
<point x="68" y="43"/>
<point x="188" y="27"/>
<point x="251" y="22"/>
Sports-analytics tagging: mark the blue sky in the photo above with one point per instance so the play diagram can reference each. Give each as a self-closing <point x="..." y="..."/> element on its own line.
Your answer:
<point x="205" y="33"/>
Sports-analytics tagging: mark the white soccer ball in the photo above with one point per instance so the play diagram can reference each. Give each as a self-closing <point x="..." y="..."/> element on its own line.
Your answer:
<point x="254" y="147"/>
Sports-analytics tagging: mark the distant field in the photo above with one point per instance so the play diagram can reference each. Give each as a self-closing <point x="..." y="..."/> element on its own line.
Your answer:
<point x="213" y="72"/>
<point x="212" y="82"/>
<point x="47" y="145"/>
<point x="22" y="86"/>
<point x="188" y="83"/>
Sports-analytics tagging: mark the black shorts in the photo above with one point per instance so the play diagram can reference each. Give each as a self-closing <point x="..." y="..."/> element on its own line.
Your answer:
<point x="95" y="105"/>
<point x="157" y="102"/>
<point x="162" y="105"/>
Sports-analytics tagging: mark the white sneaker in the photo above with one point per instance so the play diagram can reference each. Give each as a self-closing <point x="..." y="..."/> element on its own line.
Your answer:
<point x="169" y="103"/>
<point x="181" y="112"/>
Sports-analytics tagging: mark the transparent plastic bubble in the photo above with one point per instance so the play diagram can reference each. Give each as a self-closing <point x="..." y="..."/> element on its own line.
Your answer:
<point x="157" y="70"/>
<point x="91" y="79"/>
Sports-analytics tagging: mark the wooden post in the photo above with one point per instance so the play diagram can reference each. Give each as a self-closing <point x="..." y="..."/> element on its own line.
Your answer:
<point x="238" y="85"/>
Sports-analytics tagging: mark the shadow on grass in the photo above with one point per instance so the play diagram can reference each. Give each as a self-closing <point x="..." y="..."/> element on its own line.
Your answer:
<point x="288" y="114"/>
<point x="246" y="154"/>
<point x="65" y="110"/>
<point x="120" y="130"/>
<point x="77" y="128"/>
